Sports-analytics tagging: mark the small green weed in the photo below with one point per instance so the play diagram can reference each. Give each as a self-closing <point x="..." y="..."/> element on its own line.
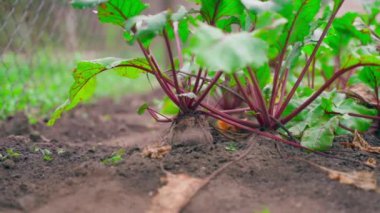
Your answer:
<point x="13" y="154"/>
<point x="47" y="155"/>
<point x="266" y="210"/>
<point x="115" y="158"/>
<point x="231" y="147"/>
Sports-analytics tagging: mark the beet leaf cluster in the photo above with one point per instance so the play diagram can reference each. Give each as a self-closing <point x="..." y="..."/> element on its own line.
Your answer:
<point x="266" y="67"/>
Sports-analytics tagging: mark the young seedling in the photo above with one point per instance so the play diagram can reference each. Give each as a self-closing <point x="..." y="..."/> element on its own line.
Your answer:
<point x="11" y="153"/>
<point x="231" y="147"/>
<point x="115" y="158"/>
<point x="47" y="155"/>
<point x="2" y="157"/>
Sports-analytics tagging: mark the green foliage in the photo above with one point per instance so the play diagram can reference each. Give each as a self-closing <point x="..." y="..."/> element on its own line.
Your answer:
<point x="141" y="110"/>
<point x="227" y="52"/>
<point x="145" y="28"/>
<point x="231" y="147"/>
<point x="298" y="52"/>
<point x="85" y="74"/>
<point x="11" y="153"/>
<point x="37" y="84"/>
<point x="214" y="10"/>
<point x="118" y="11"/>
<point x="257" y="6"/>
<point x="115" y="159"/>
<point x="323" y="119"/>
<point x="47" y="155"/>
<point x="303" y="14"/>
<point x="320" y="137"/>
<point x="371" y="77"/>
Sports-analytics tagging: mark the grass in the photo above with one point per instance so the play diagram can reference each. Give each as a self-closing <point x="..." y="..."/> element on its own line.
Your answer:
<point x="36" y="84"/>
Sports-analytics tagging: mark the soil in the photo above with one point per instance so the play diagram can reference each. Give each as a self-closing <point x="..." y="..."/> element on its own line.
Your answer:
<point x="271" y="177"/>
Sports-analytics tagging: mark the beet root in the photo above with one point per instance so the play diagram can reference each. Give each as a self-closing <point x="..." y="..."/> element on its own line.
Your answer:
<point x="190" y="130"/>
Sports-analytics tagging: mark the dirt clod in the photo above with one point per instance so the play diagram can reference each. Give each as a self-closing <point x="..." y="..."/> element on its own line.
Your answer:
<point x="8" y="164"/>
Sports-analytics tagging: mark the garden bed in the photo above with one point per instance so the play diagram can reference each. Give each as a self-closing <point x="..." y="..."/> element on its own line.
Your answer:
<point x="271" y="176"/>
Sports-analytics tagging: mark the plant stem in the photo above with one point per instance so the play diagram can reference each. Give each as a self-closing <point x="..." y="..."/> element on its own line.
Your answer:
<point x="238" y="110"/>
<point x="280" y="60"/>
<point x="217" y="84"/>
<point x="250" y="103"/>
<point x="175" y="79"/>
<point x="195" y="88"/>
<point x="283" y="86"/>
<point x="260" y="97"/>
<point x="213" y="18"/>
<point x="308" y="63"/>
<point x="154" y="114"/>
<point x="197" y="80"/>
<point x="357" y="115"/>
<point x="178" y="44"/>
<point x="323" y="88"/>
<point x="224" y="116"/>
<point x="156" y="73"/>
<point x="203" y="81"/>
<point x="207" y="90"/>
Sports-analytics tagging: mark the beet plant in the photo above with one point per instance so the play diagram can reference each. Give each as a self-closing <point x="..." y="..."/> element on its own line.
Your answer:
<point x="266" y="67"/>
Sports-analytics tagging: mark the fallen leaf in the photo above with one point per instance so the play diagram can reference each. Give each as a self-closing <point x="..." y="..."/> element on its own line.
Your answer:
<point x="371" y="162"/>
<point x="363" y="92"/>
<point x="360" y="143"/>
<point x="364" y="180"/>
<point x="177" y="192"/>
<point x="156" y="151"/>
<point x="360" y="179"/>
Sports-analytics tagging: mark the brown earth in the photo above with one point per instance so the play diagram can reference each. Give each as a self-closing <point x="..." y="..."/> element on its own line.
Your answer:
<point x="271" y="177"/>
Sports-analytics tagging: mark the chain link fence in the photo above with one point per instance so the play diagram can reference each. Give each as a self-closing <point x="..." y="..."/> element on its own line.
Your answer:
<point x="40" y="41"/>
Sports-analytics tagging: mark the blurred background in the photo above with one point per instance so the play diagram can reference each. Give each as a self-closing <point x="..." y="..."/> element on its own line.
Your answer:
<point x="41" y="41"/>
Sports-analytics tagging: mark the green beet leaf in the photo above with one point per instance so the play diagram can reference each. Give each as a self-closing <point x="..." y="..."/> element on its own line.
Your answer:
<point x="146" y="27"/>
<point x="213" y="10"/>
<point x="269" y="27"/>
<point x="307" y="10"/>
<point x="370" y="76"/>
<point x="227" y="52"/>
<point x="141" y="110"/>
<point x="84" y="79"/>
<point x="351" y="106"/>
<point x="320" y="137"/>
<point x="362" y="59"/>
<point x="118" y="11"/>
<point x="257" y="6"/>
<point x="345" y="31"/>
<point x="181" y="18"/>
<point x="180" y="14"/>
